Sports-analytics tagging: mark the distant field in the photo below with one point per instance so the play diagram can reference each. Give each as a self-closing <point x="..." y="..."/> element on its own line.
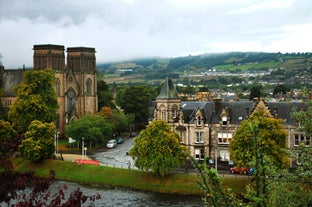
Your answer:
<point x="247" y="66"/>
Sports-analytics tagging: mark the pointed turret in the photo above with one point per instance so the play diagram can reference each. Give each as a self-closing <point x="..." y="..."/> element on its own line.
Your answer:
<point x="168" y="91"/>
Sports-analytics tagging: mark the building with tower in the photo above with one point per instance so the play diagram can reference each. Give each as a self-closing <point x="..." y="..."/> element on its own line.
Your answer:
<point x="206" y="127"/>
<point x="75" y="82"/>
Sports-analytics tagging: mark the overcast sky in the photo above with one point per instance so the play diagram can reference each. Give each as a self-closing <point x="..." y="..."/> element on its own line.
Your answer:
<point x="124" y="29"/>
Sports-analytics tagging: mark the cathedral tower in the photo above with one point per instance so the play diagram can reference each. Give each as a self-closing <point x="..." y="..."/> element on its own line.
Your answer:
<point x="49" y="56"/>
<point x="76" y="84"/>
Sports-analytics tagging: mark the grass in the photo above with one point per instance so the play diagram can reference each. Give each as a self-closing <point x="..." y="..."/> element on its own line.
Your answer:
<point x="124" y="178"/>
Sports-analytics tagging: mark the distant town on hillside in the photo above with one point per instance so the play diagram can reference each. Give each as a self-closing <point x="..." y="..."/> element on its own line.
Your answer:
<point x="218" y="70"/>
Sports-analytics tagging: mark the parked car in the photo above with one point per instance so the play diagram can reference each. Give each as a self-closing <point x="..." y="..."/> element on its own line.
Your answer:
<point x="111" y="143"/>
<point x="120" y="140"/>
<point x="242" y="170"/>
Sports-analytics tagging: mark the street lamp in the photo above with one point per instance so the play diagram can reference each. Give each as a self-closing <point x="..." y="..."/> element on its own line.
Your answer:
<point x="56" y="142"/>
<point x="82" y="148"/>
<point x="216" y="158"/>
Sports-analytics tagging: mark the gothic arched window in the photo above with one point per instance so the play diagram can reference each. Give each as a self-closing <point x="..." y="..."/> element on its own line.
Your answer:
<point x="71" y="102"/>
<point x="58" y="86"/>
<point x="88" y="84"/>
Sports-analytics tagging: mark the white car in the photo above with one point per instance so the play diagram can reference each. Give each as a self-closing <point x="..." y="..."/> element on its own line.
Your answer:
<point x="111" y="143"/>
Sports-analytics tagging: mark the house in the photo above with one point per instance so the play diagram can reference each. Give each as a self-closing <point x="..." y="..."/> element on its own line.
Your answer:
<point x="207" y="127"/>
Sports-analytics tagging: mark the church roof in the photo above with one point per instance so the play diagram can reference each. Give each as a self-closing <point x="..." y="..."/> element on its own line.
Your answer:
<point x="168" y="91"/>
<point x="11" y="78"/>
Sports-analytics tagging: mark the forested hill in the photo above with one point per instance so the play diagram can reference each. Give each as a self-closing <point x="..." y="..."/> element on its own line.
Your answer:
<point x="221" y="61"/>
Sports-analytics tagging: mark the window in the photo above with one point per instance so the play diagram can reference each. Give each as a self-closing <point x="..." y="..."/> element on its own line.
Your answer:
<point x="225" y="155"/>
<point x="302" y="138"/>
<point x="163" y="115"/>
<point x="174" y="112"/>
<point x="88" y="83"/>
<point x="224" y="121"/>
<point x="71" y="102"/>
<point x="199" y="154"/>
<point x="58" y="86"/>
<point x="224" y="138"/>
<point x="199" y="137"/>
<point x="199" y="120"/>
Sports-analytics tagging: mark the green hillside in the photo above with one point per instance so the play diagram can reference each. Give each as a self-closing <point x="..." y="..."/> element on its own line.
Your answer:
<point x="155" y="69"/>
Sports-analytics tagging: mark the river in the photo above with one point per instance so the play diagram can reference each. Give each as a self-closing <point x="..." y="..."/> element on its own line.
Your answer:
<point x="124" y="198"/>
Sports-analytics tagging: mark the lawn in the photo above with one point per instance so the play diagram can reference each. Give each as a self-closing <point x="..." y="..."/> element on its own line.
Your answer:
<point x="133" y="179"/>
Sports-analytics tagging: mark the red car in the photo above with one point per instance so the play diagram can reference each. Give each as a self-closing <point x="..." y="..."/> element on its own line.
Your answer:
<point x="242" y="170"/>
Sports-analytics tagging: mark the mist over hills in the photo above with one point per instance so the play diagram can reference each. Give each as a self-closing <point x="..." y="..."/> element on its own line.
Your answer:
<point x="282" y="66"/>
<point x="210" y="60"/>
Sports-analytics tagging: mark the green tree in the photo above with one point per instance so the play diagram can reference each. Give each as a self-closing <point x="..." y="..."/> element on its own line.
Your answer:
<point x="158" y="148"/>
<point x="280" y="89"/>
<point x="38" y="143"/>
<point x="36" y="100"/>
<point x="304" y="117"/>
<point x="93" y="128"/>
<point x="295" y="186"/>
<point x="136" y="100"/>
<point x="105" y="96"/>
<point x="8" y="139"/>
<point x="260" y="141"/>
<point x="259" y="130"/>
<point x="118" y="120"/>
<point x="255" y="92"/>
<point x="215" y="193"/>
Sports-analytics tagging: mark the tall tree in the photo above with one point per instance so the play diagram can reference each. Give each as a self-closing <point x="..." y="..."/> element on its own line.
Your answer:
<point x="259" y="130"/>
<point x="158" y="148"/>
<point x="105" y="95"/>
<point x="260" y="141"/>
<point x="255" y="92"/>
<point x="9" y="142"/>
<point x="38" y="143"/>
<point x="136" y="100"/>
<point x="36" y="100"/>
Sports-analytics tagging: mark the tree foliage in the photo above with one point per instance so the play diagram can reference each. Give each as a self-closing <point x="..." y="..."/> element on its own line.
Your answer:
<point x="24" y="189"/>
<point x="38" y="143"/>
<point x="136" y="100"/>
<point x="7" y="136"/>
<point x="215" y="194"/>
<point x="36" y="100"/>
<point x="93" y="128"/>
<point x="158" y="148"/>
<point x="256" y="92"/>
<point x="105" y="95"/>
<point x="292" y="188"/>
<point x="304" y="117"/>
<point x="259" y="132"/>
<point x="280" y="89"/>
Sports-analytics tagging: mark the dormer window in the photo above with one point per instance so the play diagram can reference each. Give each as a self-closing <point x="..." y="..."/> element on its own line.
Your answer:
<point x="199" y="120"/>
<point x="224" y="121"/>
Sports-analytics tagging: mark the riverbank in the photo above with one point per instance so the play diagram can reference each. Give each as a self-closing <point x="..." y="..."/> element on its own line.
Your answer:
<point x="103" y="176"/>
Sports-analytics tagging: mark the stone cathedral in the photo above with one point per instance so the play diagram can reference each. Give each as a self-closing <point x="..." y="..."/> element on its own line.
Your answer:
<point x="75" y="80"/>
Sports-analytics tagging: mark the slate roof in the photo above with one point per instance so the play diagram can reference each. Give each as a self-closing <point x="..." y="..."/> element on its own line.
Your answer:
<point x="10" y="79"/>
<point x="168" y="91"/>
<point x="238" y="110"/>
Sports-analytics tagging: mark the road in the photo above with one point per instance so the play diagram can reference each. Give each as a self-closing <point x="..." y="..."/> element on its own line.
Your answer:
<point x="116" y="156"/>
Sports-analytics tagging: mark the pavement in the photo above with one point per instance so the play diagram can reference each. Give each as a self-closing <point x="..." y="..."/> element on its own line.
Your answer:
<point x="73" y="157"/>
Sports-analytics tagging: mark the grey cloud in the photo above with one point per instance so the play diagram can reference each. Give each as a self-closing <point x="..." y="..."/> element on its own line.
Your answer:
<point x="120" y="29"/>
